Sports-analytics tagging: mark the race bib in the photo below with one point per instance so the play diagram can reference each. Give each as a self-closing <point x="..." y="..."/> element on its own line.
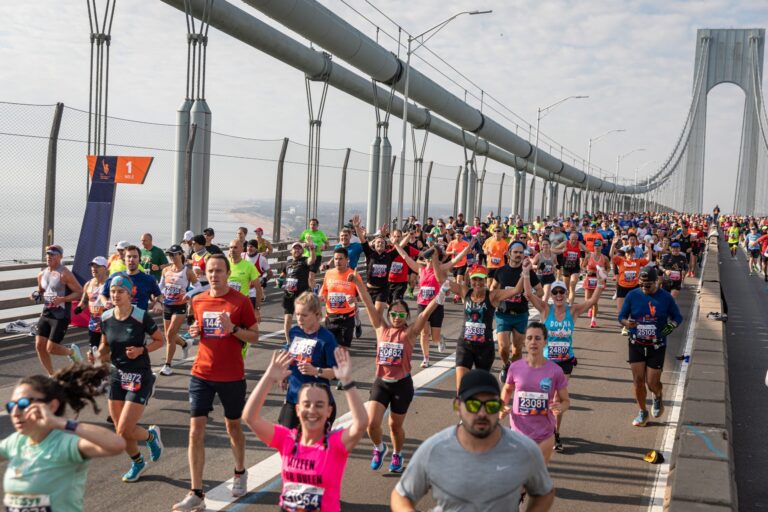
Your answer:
<point x="172" y="293"/>
<point x="130" y="381"/>
<point x="48" y="298"/>
<point x="547" y="270"/>
<point x="27" y="503"/>
<point x="396" y="267"/>
<point x="212" y="327"/>
<point x="558" y="349"/>
<point x="572" y="257"/>
<point x="646" y="333"/>
<point x="291" y="284"/>
<point x="517" y="298"/>
<point x="234" y="285"/>
<point x="302" y="349"/>
<point x="337" y="300"/>
<point x="302" y="497"/>
<point x="591" y="283"/>
<point x="474" y="331"/>
<point x="378" y="270"/>
<point x="530" y="403"/>
<point x="630" y="275"/>
<point x="674" y="275"/>
<point x="390" y="353"/>
<point x="495" y="260"/>
<point x="427" y="292"/>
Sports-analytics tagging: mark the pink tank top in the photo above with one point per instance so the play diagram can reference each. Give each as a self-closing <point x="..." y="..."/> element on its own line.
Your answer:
<point x="393" y="354"/>
<point x="428" y="286"/>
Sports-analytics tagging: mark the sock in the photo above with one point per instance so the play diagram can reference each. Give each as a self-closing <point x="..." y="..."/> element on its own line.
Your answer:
<point x="199" y="493"/>
<point x="239" y="473"/>
<point x="395" y="453"/>
<point x="379" y="447"/>
<point x="150" y="437"/>
<point x="184" y="345"/>
<point x="138" y="458"/>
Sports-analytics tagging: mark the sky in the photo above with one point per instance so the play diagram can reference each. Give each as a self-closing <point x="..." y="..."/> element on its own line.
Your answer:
<point x="633" y="59"/>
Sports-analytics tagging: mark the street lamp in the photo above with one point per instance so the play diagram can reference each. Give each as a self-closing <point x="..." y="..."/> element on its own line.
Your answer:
<point x="638" y="169"/>
<point x="619" y="158"/>
<point x="592" y="140"/>
<point x="539" y="117"/>
<point x="437" y="28"/>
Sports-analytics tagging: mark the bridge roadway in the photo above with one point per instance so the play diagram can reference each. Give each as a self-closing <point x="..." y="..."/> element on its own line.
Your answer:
<point x="602" y="467"/>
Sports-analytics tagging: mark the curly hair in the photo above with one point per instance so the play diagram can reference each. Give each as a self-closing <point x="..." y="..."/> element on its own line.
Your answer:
<point x="76" y="386"/>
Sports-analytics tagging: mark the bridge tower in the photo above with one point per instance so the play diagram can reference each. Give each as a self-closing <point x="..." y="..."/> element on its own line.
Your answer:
<point x="735" y="56"/>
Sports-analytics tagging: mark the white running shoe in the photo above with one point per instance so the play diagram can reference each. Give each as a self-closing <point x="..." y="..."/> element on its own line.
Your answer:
<point x="185" y="351"/>
<point x="191" y="503"/>
<point x="166" y="370"/>
<point x="441" y="345"/>
<point x="76" y="356"/>
<point x="239" y="485"/>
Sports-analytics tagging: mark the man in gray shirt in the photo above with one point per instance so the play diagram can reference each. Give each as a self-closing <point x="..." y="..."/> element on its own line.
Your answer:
<point x="478" y="465"/>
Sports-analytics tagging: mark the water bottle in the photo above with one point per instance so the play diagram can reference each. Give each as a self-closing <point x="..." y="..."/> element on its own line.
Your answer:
<point x="37" y="297"/>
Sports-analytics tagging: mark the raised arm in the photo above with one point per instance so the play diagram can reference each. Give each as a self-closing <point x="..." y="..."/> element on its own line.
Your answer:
<point x="276" y="372"/>
<point x="343" y="370"/>
<point x="578" y="309"/>
<point x="423" y="317"/>
<point x="407" y="257"/>
<point x="362" y="290"/>
<point x="359" y="231"/>
<point x="530" y="293"/>
<point x="312" y="252"/>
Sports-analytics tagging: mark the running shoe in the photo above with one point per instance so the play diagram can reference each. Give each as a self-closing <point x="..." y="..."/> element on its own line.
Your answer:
<point x="409" y="294"/>
<point x="239" y="485"/>
<point x="589" y="313"/>
<point x="657" y="408"/>
<point x="558" y="443"/>
<point x="624" y="331"/>
<point x="185" y="350"/>
<point x="76" y="356"/>
<point x="396" y="466"/>
<point x="614" y="296"/>
<point x="156" y="445"/>
<point x="378" y="457"/>
<point x="133" y="474"/>
<point x="166" y="370"/>
<point x="191" y="503"/>
<point x="359" y="331"/>
<point x="339" y="386"/>
<point x="503" y="374"/>
<point x="641" y="419"/>
<point x="188" y="338"/>
<point x="441" y="345"/>
<point x="593" y="324"/>
<point x="425" y="363"/>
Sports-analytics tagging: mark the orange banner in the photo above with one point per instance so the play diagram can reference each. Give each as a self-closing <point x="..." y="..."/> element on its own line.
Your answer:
<point x="127" y="169"/>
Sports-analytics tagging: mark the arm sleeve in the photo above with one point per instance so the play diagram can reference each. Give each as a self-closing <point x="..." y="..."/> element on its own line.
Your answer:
<point x="366" y="249"/>
<point x="415" y="483"/>
<point x="247" y="316"/>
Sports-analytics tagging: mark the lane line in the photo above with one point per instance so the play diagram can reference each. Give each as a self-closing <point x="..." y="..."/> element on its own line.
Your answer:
<point x="670" y="432"/>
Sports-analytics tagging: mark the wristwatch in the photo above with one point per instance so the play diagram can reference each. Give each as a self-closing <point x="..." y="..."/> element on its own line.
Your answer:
<point x="319" y="372"/>
<point x="235" y="329"/>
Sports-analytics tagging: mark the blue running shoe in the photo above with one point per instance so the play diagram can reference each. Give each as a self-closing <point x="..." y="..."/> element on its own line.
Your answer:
<point x="396" y="466"/>
<point x="641" y="419"/>
<point x="657" y="408"/>
<point x="378" y="458"/>
<point x="133" y="474"/>
<point x="156" y="445"/>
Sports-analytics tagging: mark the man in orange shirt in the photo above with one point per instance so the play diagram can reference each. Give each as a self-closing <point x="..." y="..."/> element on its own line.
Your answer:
<point x="339" y="293"/>
<point x="628" y="274"/>
<point x="460" y="269"/>
<point x="495" y="249"/>
<point x="591" y="236"/>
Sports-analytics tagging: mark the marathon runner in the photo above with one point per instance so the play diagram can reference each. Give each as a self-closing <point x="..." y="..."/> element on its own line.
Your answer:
<point x="57" y="287"/>
<point x="572" y="251"/>
<point x="209" y="234"/>
<point x="455" y="464"/>
<point x="628" y="270"/>
<point x="244" y="276"/>
<point x="455" y="246"/>
<point x="545" y="263"/>
<point x="224" y="320"/>
<point x="123" y="344"/>
<point x="313" y="456"/>
<point x="594" y="264"/>
<point x="261" y="262"/>
<point x="177" y="278"/>
<point x="339" y="295"/>
<point x="399" y="272"/>
<point x="263" y="246"/>
<point x="753" y="249"/>
<point x="651" y="315"/>
<point x="393" y="386"/>
<point x="152" y="257"/>
<point x="320" y="240"/>
<point x="673" y="267"/>
<point x="295" y="281"/>
<point x="378" y="262"/>
<point x="495" y="250"/>
<point x="733" y="239"/>
<point x="763" y="241"/>
<point x="96" y="304"/>
<point x="145" y="287"/>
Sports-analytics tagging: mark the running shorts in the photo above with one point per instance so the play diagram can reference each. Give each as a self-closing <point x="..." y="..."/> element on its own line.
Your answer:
<point x="397" y="291"/>
<point x="395" y="395"/>
<point x="548" y="279"/>
<point x="202" y="393"/>
<point x="133" y="387"/>
<point x="652" y="356"/>
<point x="379" y="294"/>
<point x="479" y="355"/>
<point x="54" y="329"/>
<point x="566" y="365"/>
<point x="506" y="322"/>
<point x="437" y="316"/>
<point x="342" y="327"/>
<point x="173" y="309"/>
<point x="670" y="285"/>
<point x="754" y="253"/>
<point x="459" y="271"/>
<point x="288" y="304"/>
<point x="622" y="292"/>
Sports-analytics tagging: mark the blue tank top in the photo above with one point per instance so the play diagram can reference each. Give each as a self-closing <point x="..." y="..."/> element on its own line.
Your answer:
<point x="560" y="336"/>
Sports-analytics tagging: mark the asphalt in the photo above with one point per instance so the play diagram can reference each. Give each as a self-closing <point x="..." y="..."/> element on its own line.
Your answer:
<point x="747" y="345"/>
<point x="602" y="467"/>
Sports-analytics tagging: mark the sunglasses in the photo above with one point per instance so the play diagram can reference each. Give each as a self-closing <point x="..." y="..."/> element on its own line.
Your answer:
<point x="557" y="291"/>
<point x="647" y="284"/>
<point x="398" y="314"/>
<point x="22" y="403"/>
<point x="492" y="406"/>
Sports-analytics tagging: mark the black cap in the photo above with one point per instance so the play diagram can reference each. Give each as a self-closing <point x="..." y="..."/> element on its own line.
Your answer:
<point x="174" y="249"/>
<point x="209" y="231"/>
<point x="649" y="273"/>
<point x="478" y="381"/>
<point x="199" y="239"/>
<point x="253" y="243"/>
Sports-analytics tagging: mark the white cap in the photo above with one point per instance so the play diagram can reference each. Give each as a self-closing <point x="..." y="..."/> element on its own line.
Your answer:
<point x="100" y="261"/>
<point x="449" y="226"/>
<point x="297" y="244"/>
<point x="122" y="244"/>
<point x="188" y="235"/>
<point x="558" y="284"/>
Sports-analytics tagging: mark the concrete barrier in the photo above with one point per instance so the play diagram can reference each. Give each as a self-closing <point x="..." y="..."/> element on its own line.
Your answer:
<point x="701" y="474"/>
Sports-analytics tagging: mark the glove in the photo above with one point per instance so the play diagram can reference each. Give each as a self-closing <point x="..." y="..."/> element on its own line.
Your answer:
<point x="78" y="310"/>
<point x="668" y="328"/>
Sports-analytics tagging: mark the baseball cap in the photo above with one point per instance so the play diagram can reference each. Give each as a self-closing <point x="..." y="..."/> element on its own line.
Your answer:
<point x="675" y="244"/>
<point x="188" y="236"/>
<point x="467" y="228"/>
<point x="122" y="282"/>
<point x="122" y="244"/>
<point x="259" y="230"/>
<point x="478" y="271"/>
<point x="252" y="243"/>
<point x="295" y="244"/>
<point x="478" y="381"/>
<point x="199" y="239"/>
<point x="101" y="261"/>
<point x="649" y="273"/>
<point x="449" y="226"/>
<point x="174" y="249"/>
<point x="209" y="232"/>
<point x="54" y="249"/>
<point x="558" y="284"/>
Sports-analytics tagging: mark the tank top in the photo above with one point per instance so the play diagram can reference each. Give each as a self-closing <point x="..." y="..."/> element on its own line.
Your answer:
<point x="428" y="286"/>
<point x="560" y="336"/>
<point x="261" y="245"/>
<point x="173" y="286"/>
<point x="393" y="354"/>
<point x="571" y="255"/>
<point x="478" y="319"/>
<point x="53" y="286"/>
<point x="96" y="307"/>
<point x="547" y="269"/>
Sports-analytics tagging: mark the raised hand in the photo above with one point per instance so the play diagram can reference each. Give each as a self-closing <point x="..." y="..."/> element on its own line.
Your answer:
<point x="343" y="368"/>
<point x="278" y="366"/>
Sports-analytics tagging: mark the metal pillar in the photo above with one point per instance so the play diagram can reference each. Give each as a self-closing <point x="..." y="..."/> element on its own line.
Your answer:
<point x="384" y="214"/>
<point x="197" y="117"/>
<point x="481" y="183"/>
<point x="208" y="130"/>
<point x="315" y="129"/>
<point x="501" y="191"/>
<point x="179" y="175"/>
<point x="519" y="193"/>
<point x="49" y="212"/>
<point x="418" y="168"/>
<point x="373" y="180"/>
<point x="426" y="192"/>
<point x="563" y="205"/>
<point x="456" y="189"/>
<point x="187" y="200"/>
<point x="278" y="218"/>
<point x="463" y="185"/>
<point x="469" y="207"/>
<point x="343" y="189"/>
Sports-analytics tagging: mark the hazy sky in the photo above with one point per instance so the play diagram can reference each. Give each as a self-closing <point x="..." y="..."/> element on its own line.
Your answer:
<point x="634" y="59"/>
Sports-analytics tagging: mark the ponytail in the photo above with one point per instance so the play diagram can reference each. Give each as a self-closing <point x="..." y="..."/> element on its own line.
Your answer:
<point x="76" y="386"/>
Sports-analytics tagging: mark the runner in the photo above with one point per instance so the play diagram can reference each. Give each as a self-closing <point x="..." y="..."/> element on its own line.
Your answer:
<point x="393" y="386"/>
<point x="512" y="313"/>
<point x="242" y="234"/>
<point x="263" y="246"/>
<point x="198" y="257"/>
<point x="733" y="239"/>
<point x="763" y="241"/>
<point x="152" y="257"/>
<point x="124" y="329"/>
<point x="296" y="281"/>
<point x="209" y="234"/>
<point x="673" y="267"/>
<point x="145" y="287"/>
<point x="224" y="320"/>
<point x="753" y="249"/>
<point x="378" y="262"/>
<point x="313" y="456"/>
<point x="57" y="287"/>
<point x="628" y="270"/>
<point x="319" y="240"/>
<point x="572" y="251"/>
<point x="339" y="295"/>
<point x="92" y="298"/>
<point x="651" y="315"/>
<point x="399" y="271"/>
<point x="474" y="446"/>
<point x="116" y="261"/>
<point x="261" y="263"/>
<point x="244" y="276"/>
<point x="455" y="246"/>
<point x="495" y="250"/>
<point x="545" y="262"/>
<point x="175" y="281"/>
<point x="595" y="264"/>
<point x="312" y="347"/>
<point x="48" y="455"/>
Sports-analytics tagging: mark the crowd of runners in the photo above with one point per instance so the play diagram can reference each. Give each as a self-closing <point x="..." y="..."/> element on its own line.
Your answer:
<point x="498" y="271"/>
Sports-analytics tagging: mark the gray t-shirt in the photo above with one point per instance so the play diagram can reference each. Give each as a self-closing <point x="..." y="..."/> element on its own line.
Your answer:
<point x="462" y="481"/>
<point x="556" y="238"/>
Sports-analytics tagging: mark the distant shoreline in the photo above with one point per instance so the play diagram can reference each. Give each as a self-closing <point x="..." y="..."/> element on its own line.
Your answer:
<point x="254" y="220"/>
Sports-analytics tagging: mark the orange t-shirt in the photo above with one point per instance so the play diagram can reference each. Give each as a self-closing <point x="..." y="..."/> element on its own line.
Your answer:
<point x="454" y="248"/>
<point x="629" y="270"/>
<point x="495" y="251"/>
<point x="589" y="240"/>
<point x="220" y="355"/>
<point x="338" y="292"/>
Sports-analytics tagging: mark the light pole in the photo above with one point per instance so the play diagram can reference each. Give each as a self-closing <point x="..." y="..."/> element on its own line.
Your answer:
<point x="638" y="169"/>
<point x="437" y="28"/>
<point x="539" y="117"/>
<point x="592" y="140"/>
<point x="619" y="158"/>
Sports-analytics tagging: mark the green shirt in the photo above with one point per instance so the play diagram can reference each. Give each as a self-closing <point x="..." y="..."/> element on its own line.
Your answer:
<point x="241" y="275"/>
<point x="50" y="474"/>
<point x="154" y="256"/>
<point x="733" y="235"/>
<point x="318" y="237"/>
